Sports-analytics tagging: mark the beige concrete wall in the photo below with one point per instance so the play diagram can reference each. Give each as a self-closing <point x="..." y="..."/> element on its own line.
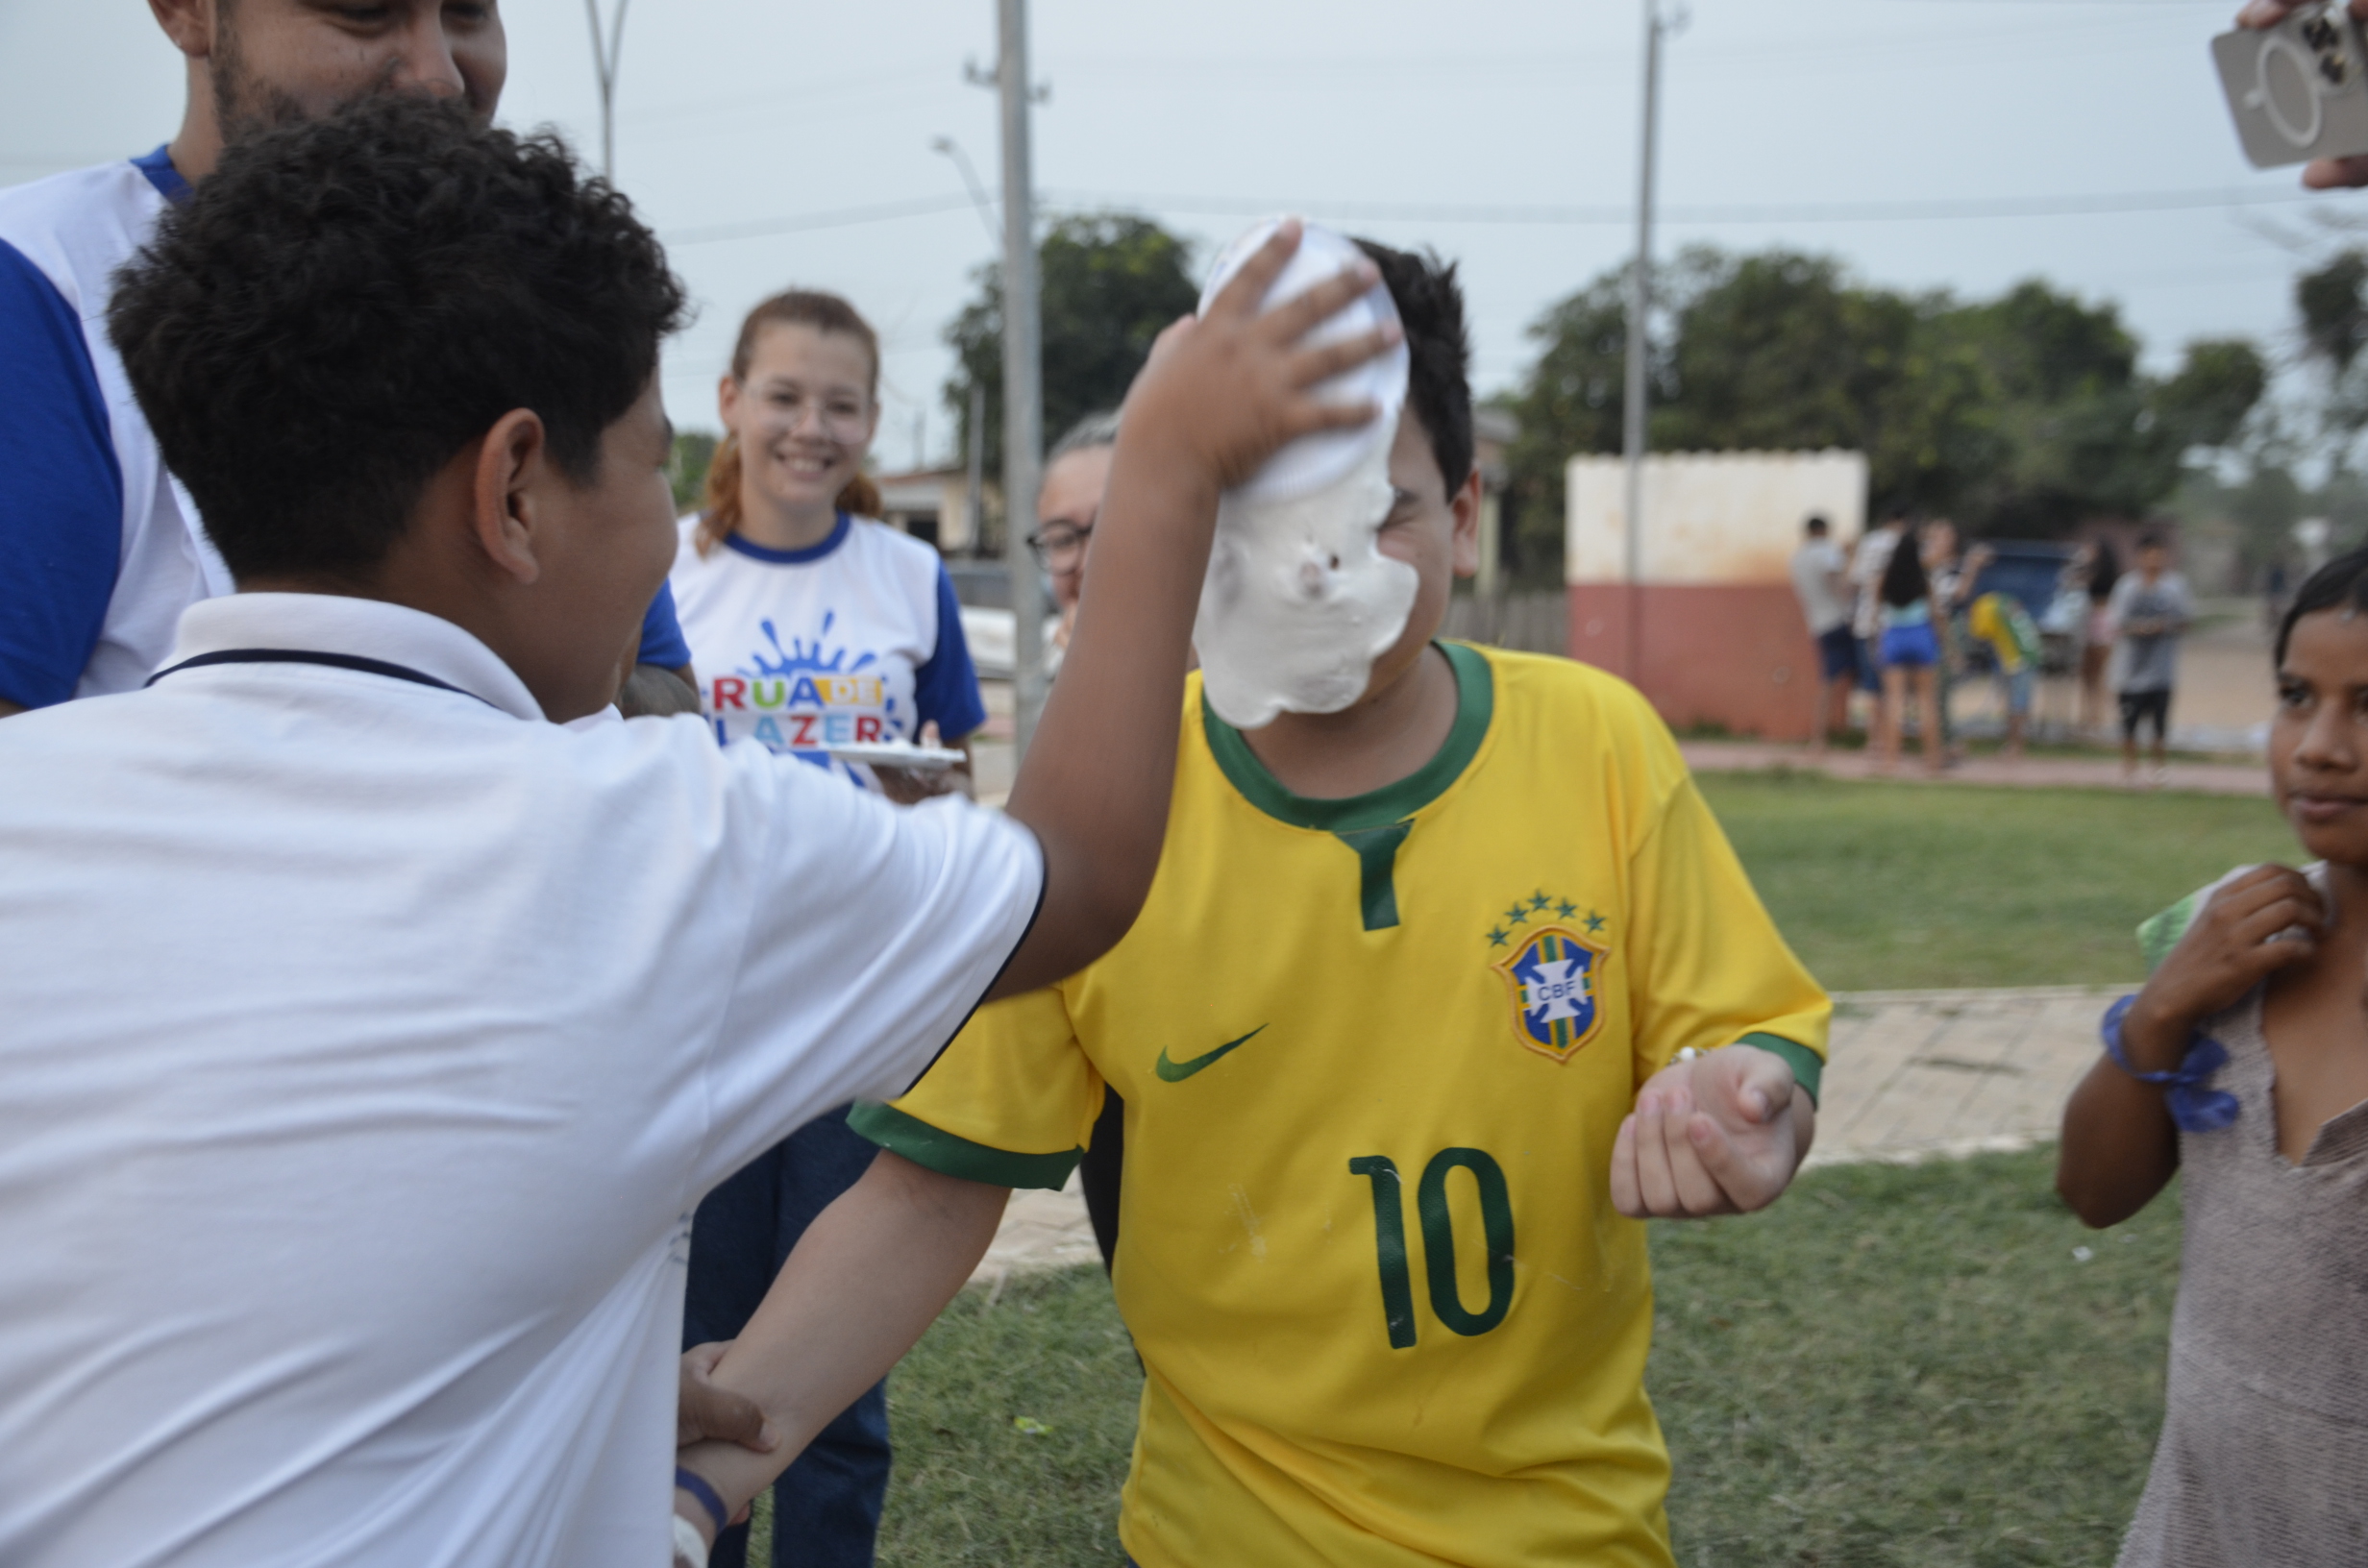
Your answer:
<point x="1726" y="518"/>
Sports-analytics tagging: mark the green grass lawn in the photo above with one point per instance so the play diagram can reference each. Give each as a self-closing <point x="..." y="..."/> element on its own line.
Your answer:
<point x="1896" y="1367"/>
<point x="1897" y="887"/>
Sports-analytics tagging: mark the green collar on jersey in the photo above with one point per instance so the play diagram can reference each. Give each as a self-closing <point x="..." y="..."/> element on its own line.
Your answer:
<point x="1475" y="703"/>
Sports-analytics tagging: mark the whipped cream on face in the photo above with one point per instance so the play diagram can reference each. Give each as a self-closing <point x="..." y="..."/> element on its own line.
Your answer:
<point x="1299" y="600"/>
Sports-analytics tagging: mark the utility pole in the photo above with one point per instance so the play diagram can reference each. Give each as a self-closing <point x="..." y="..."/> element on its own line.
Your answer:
<point x="1633" y="409"/>
<point x="974" y="458"/>
<point x="604" y="61"/>
<point x="1024" y="408"/>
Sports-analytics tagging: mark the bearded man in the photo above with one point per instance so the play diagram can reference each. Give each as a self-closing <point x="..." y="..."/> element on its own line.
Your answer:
<point x="100" y="548"/>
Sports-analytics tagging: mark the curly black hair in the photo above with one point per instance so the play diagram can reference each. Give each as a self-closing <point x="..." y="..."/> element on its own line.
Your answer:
<point x="347" y="303"/>
<point x="1430" y="305"/>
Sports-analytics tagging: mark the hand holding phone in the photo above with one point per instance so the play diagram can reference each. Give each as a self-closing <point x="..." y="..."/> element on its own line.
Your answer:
<point x="2296" y="76"/>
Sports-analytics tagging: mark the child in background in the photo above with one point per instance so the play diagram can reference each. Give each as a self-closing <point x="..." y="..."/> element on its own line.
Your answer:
<point x="813" y="625"/>
<point x="1911" y="651"/>
<point x="1431" y="993"/>
<point x="2243" y="1066"/>
<point x="2149" y="610"/>
<point x="2000" y="621"/>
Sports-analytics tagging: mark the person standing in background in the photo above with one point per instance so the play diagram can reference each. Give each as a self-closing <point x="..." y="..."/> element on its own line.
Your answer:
<point x="2149" y="610"/>
<point x="100" y="548"/>
<point x="815" y="626"/>
<point x="1868" y="559"/>
<point x="2097" y="635"/>
<point x="1911" y="650"/>
<point x="1821" y="584"/>
<point x="1068" y="503"/>
<point x="1952" y="570"/>
<point x="2000" y="621"/>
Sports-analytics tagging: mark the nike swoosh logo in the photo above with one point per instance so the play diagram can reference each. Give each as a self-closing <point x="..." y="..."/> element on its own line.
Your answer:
<point x="1175" y="1072"/>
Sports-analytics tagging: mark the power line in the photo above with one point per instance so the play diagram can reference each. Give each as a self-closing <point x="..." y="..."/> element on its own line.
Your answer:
<point x="837" y="218"/>
<point x="2106" y="204"/>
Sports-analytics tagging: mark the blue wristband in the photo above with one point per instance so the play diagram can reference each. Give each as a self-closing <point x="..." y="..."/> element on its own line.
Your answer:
<point x="697" y="1485"/>
<point x="2194" y="1108"/>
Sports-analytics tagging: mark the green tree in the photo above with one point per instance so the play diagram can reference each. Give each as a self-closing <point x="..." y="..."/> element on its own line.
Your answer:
<point x="1110" y="284"/>
<point x="2021" y="414"/>
<point x="2219" y="383"/>
<point x="686" y="468"/>
<point x="1570" y="402"/>
<point x="2333" y="301"/>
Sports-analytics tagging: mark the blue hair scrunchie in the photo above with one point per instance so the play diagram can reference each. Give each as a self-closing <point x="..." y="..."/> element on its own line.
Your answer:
<point x="2194" y="1107"/>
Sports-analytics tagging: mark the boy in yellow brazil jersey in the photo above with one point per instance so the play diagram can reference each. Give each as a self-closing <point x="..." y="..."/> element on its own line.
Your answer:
<point x="1432" y="1002"/>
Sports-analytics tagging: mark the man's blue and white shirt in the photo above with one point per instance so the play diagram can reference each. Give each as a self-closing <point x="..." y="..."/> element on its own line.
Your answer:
<point x="100" y="548"/>
<point x="100" y="551"/>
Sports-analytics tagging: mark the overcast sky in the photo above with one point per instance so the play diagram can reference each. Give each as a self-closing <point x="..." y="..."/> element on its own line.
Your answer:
<point x="756" y="134"/>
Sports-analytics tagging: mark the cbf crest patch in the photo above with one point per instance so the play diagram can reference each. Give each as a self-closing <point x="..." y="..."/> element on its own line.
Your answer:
<point x="1551" y="971"/>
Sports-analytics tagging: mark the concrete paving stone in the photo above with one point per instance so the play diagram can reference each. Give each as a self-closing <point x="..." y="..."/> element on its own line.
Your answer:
<point x="1915" y="1075"/>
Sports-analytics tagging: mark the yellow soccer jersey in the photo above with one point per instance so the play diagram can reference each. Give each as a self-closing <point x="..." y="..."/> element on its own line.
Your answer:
<point x="1374" y="1053"/>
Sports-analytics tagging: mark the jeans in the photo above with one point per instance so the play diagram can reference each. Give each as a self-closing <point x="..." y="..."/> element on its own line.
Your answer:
<point x="826" y="1507"/>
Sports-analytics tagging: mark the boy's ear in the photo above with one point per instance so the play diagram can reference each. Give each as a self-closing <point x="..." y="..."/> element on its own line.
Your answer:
<point x="513" y="466"/>
<point x="1465" y="543"/>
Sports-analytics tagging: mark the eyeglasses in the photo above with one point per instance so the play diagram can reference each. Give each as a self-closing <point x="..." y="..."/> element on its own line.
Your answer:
<point x="1061" y="546"/>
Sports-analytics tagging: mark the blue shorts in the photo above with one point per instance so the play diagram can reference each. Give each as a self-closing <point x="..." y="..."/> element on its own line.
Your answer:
<point x="1914" y="647"/>
<point x="2018" y="686"/>
<point x="1837" y="653"/>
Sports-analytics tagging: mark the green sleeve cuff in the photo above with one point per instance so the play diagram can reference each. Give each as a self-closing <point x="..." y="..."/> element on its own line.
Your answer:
<point x="939" y="1150"/>
<point x="1808" y="1067"/>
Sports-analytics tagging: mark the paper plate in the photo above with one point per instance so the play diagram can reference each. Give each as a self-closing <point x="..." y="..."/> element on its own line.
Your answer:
<point x="1314" y="461"/>
<point x="918" y="759"/>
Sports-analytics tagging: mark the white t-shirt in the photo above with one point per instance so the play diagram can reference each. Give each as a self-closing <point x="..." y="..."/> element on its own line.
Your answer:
<point x="858" y="639"/>
<point x="368" y="1046"/>
<point x="1815" y="568"/>
<point x="1867" y="564"/>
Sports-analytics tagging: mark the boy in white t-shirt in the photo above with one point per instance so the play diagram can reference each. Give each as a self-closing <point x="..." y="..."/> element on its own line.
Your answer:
<point x="371" y="1035"/>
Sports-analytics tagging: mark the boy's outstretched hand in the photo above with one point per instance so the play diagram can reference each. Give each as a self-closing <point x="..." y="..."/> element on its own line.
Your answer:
<point x="1720" y="1135"/>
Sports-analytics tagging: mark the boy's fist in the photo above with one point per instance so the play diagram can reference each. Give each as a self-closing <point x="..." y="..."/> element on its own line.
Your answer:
<point x="1225" y="391"/>
<point x="1718" y="1135"/>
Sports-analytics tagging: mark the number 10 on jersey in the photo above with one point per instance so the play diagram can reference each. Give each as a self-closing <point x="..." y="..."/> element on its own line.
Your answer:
<point x="1397" y="1291"/>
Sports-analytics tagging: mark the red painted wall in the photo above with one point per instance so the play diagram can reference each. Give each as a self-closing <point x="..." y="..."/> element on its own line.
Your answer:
<point x="1732" y="655"/>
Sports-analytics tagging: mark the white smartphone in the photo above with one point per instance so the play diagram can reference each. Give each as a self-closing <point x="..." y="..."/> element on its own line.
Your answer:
<point x="2298" y="90"/>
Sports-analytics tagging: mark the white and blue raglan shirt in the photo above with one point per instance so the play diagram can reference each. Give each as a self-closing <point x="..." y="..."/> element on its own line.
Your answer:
<point x="855" y="640"/>
<point x="100" y="548"/>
